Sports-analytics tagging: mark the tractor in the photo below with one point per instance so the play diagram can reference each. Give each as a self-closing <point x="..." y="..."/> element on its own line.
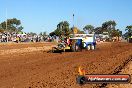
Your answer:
<point x="83" y="41"/>
<point x="77" y="42"/>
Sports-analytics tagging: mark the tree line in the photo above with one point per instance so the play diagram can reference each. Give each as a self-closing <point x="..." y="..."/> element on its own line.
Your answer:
<point x="108" y="26"/>
<point x="14" y="25"/>
<point x="63" y="28"/>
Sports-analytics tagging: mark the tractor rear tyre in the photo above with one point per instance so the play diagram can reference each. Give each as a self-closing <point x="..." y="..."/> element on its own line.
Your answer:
<point x="76" y="48"/>
<point x="73" y="48"/>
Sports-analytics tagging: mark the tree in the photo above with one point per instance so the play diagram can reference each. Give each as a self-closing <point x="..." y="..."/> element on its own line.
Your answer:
<point x="43" y="34"/>
<point x="62" y="29"/>
<point x="116" y="33"/>
<point x="109" y="26"/>
<point x="19" y="29"/>
<point x="52" y="34"/>
<point x="80" y="32"/>
<point x="98" y="30"/>
<point x="31" y="34"/>
<point x="89" y="28"/>
<point x="120" y="32"/>
<point x="112" y="24"/>
<point x="0" y="26"/>
<point x="58" y="32"/>
<point x="1" y="29"/>
<point x="129" y="31"/>
<point x="66" y="29"/>
<point x="12" y="25"/>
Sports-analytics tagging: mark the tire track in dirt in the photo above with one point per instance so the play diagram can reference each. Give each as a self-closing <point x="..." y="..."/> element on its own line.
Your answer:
<point x="48" y="70"/>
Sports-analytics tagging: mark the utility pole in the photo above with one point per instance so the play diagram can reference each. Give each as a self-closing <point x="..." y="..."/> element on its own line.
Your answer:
<point x="6" y="18"/>
<point x="73" y="20"/>
<point x="73" y="27"/>
<point x="6" y="24"/>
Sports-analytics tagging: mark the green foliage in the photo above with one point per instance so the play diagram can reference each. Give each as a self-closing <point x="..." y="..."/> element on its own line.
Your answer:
<point x="1" y="29"/>
<point x="12" y="25"/>
<point x="129" y="28"/>
<point x="43" y="34"/>
<point x="129" y="31"/>
<point x="109" y="25"/>
<point x="80" y="32"/>
<point x="62" y="29"/>
<point x="0" y="26"/>
<point x="116" y="33"/>
<point x="98" y="30"/>
<point x="89" y="28"/>
<point x="52" y="34"/>
<point x="31" y="33"/>
<point x="58" y="32"/>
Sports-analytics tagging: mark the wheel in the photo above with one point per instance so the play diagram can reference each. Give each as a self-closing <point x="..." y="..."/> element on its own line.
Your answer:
<point x="81" y="80"/>
<point x="88" y="47"/>
<point x="76" y="48"/>
<point x="93" y="47"/>
<point x="73" y="48"/>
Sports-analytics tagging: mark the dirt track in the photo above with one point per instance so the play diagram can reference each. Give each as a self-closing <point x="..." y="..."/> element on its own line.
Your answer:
<point x="38" y="69"/>
<point x="126" y="70"/>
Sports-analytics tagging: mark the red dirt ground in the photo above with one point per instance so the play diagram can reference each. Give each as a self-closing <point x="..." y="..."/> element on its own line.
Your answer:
<point x="39" y="69"/>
